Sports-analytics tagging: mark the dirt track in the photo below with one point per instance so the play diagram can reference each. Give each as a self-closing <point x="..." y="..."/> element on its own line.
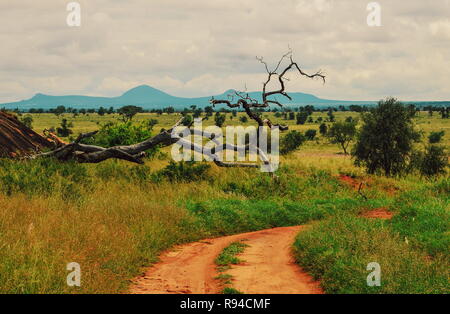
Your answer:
<point x="269" y="266"/>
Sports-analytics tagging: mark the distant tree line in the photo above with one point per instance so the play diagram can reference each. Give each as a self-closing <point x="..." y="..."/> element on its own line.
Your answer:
<point x="301" y="114"/>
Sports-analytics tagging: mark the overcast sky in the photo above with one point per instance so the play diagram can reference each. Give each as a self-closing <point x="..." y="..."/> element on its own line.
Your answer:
<point x="198" y="47"/>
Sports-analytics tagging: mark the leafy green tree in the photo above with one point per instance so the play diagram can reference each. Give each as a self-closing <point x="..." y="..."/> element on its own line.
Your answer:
<point x="385" y="141"/>
<point x="331" y="116"/>
<point x="342" y="133"/>
<point x="323" y="128"/>
<point x="302" y="116"/>
<point x="219" y="119"/>
<point x="102" y="111"/>
<point x="169" y="110"/>
<point x="64" y="130"/>
<point x="209" y="111"/>
<point x="187" y="120"/>
<point x="197" y="113"/>
<point x="128" y="112"/>
<point x="27" y="121"/>
<point x="59" y="110"/>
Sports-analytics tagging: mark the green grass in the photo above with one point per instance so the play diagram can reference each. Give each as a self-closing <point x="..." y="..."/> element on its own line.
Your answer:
<point x="229" y="290"/>
<point x="114" y="218"/>
<point x="229" y="254"/>
<point x="226" y="258"/>
<point x="412" y="249"/>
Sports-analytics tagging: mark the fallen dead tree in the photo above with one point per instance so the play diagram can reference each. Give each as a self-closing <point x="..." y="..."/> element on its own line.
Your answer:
<point x="16" y="139"/>
<point x="134" y="153"/>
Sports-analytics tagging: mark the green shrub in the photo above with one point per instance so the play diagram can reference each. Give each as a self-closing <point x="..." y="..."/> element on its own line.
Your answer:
<point x="291" y="141"/>
<point x="436" y="137"/>
<point x="433" y="162"/>
<point x="124" y="133"/>
<point x="310" y="134"/>
<point x="189" y="171"/>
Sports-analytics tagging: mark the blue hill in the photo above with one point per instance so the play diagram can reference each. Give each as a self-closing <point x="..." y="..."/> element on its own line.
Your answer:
<point x="150" y="98"/>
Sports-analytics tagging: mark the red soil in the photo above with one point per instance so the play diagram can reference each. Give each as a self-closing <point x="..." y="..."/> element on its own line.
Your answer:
<point x="379" y="213"/>
<point x="269" y="267"/>
<point x="349" y="180"/>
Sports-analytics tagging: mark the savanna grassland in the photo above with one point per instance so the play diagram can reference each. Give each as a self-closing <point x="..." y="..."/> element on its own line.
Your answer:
<point x="113" y="218"/>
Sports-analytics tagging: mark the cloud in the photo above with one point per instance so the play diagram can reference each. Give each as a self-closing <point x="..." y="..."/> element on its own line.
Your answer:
<point x="196" y="48"/>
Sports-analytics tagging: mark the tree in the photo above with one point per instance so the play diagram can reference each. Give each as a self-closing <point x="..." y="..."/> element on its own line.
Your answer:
<point x="219" y="119"/>
<point x="128" y="112"/>
<point x="59" y="110"/>
<point x="102" y="111"/>
<point x="302" y="116"/>
<point x="27" y="120"/>
<point x="169" y="110"/>
<point x="64" y="130"/>
<point x="243" y="119"/>
<point x="197" y="113"/>
<point x="209" y="111"/>
<point x="342" y="133"/>
<point x="385" y="141"/>
<point x="330" y="114"/>
<point x="323" y="128"/>
<point x="188" y="120"/>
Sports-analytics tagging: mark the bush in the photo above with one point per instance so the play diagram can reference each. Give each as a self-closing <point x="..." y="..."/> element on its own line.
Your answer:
<point x="243" y="119"/>
<point x="436" y="137"/>
<point x="310" y="134"/>
<point x="123" y="133"/>
<point x="64" y="130"/>
<point x="291" y="141"/>
<point x="188" y="171"/>
<point x="302" y="117"/>
<point x="219" y="120"/>
<point x="434" y="161"/>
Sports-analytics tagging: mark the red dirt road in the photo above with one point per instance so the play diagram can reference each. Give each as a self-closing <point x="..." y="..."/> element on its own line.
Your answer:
<point x="269" y="267"/>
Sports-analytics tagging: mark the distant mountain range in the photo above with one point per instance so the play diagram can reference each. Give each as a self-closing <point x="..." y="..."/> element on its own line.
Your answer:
<point x="151" y="98"/>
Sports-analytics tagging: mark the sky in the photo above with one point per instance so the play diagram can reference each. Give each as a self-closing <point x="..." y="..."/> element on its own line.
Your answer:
<point x="199" y="48"/>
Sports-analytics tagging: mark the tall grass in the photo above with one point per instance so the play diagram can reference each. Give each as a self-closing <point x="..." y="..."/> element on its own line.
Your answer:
<point x="114" y="218"/>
